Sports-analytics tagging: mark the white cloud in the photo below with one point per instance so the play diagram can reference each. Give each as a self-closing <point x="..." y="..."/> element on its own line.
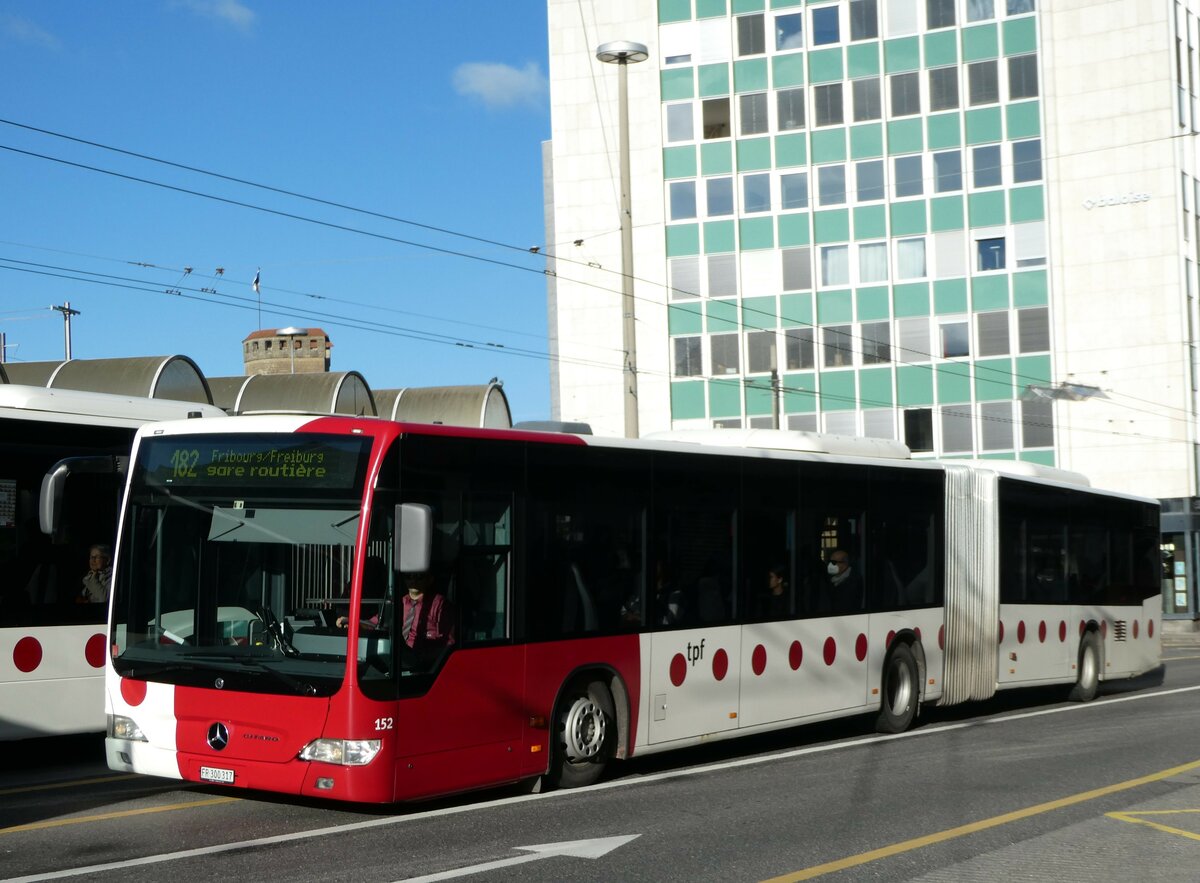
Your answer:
<point x="500" y="85"/>
<point x="231" y="12"/>
<point x="25" y="31"/>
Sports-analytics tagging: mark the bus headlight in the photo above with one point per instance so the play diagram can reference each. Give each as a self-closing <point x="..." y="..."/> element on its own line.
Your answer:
<point x="121" y="727"/>
<point x="343" y="752"/>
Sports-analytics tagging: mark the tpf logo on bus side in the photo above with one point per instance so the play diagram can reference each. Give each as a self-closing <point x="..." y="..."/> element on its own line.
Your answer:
<point x="695" y="652"/>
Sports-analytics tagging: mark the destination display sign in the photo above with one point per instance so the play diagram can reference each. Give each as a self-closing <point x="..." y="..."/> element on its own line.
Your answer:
<point x="312" y="462"/>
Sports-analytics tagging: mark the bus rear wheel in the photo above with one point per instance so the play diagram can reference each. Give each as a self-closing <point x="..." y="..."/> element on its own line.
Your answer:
<point x="1088" y="681"/>
<point x="584" y="731"/>
<point x="900" y="691"/>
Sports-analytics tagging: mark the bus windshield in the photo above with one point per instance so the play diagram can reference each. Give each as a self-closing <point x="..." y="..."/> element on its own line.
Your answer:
<point x="236" y="560"/>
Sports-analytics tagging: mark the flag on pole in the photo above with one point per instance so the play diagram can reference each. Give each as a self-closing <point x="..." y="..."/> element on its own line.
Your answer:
<point x="254" y="284"/>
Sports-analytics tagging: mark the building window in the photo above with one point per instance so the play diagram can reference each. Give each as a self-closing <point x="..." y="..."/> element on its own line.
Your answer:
<point x="790" y="107"/>
<point x="910" y="258"/>
<point x="687" y="357"/>
<point x="1033" y="330"/>
<point x="876" y="343"/>
<point x="760" y="352"/>
<point x="909" y="174"/>
<point x="825" y="26"/>
<point x="947" y="171"/>
<point x="798" y="348"/>
<point x="956" y="340"/>
<point x="986" y="160"/>
<point x="1029" y="244"/>
<point x="831" y="185"/>
<point x="864" y="19"/>
<point x="679" y="123"/>
<point x="906" y="94"/>
<point x="756" y="193"/>
<point x="939" y="14"/>
<point x="983" y="84"/>
<point x="751" y="35"/>
<point x="956" y="429"/>
<point x="838" y="348"/>
<point x="827" y="102"/>
<point x="789" y="31"/>
<point x="266" y="344"/>
<point x="869" y="180"/>
<point x="943" y="88"/>
<point x="840" y="422"/>
<point x="872" y="262"/>
<point x="879" y="423"/>
<point x="901" y="17"/>
<point x="1037" y="423"/>
<point x="722" y="275"/>
<point x="867" y="102"/>
<point x="752" y="111"/>
<point x="720" y="196"/>
<point x="685" y="278"/>
<point x="989" y="254"/>
<point x="913" y="335"/>
<point x="992" y="331"/>
<point x="716" y="118"/>
<point x="835" y="265"/>
<point x="797" y="269"/>
<point x="793" y="190"/>
<point x="981" y="10"/>
<point x="1019" y="7"/>
<point x="950" y="253"/>
<point x="724" y="348"/>
<point x="802" y="422"/>
<point x="995" y="426"/>
<point x="918" y="429"/>
<point x="1027" y="161"/>
<point x="683" y="200"/>
<point x="1022" y="77"/>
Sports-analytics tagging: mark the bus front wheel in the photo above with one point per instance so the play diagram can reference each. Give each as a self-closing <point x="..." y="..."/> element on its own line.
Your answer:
<point x="900" y="690"/>
<point x="1088" y="681"/>
<point x="584" y="731"/>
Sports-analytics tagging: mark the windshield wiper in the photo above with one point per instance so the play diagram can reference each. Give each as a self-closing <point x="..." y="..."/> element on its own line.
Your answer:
<point x="277" y="630"/>
<point x="301" y="687"/>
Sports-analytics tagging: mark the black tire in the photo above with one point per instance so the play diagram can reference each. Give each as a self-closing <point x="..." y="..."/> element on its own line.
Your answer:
<point x="1087" y="682"/>
<point x="900" y="691"/>
<point x="583" y="735"/>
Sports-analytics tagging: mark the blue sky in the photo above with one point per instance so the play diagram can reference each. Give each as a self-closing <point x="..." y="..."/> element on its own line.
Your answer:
<point x="430" y="112"/>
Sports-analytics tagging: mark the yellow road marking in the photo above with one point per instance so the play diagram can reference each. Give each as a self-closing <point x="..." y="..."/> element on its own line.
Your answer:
<point x="58" y="823"/>
<point x="25" y="789"/>
<point x="1131" y="817"/>
<point x="854" y="861"/>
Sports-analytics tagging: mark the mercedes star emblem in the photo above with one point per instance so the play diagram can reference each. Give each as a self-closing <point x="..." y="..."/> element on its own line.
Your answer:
<point x="218" y="736"/>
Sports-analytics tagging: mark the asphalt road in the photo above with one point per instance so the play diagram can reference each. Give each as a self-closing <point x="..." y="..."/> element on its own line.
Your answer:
<point x="1023" y="787"/>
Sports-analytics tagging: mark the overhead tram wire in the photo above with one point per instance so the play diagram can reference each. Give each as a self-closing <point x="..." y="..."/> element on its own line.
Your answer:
<point x="250" y="304"/>
<point x="411" y="243"/>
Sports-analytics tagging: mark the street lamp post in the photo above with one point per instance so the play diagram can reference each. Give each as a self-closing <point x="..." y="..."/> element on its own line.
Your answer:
<point x="623" y="53"/>
<point x="291" y="333"/>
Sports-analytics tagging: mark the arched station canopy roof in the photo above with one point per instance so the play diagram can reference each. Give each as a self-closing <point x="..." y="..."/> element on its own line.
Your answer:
<point x="335" y="392"/>
<point x="177" y="378"/>
<point x="481" y="406"/>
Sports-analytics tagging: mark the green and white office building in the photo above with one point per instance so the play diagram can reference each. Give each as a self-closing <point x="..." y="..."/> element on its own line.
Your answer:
<point x="968" y="225"/>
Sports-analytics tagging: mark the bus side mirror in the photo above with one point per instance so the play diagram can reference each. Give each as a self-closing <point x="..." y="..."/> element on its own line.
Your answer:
<point x="414" y="537"/>
<point x="50" y="501"/>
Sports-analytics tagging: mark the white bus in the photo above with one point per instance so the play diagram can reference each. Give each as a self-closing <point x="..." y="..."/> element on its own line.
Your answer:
<point x="52" y="641"/>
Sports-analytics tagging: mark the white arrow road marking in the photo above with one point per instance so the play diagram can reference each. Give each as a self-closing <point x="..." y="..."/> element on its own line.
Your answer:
<point x="574" y="848"/>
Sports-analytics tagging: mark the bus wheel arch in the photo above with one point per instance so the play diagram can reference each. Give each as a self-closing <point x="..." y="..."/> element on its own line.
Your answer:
<point x="1090" y="666"/>
<point x="899" y="687"/>
<point x="587" y="729"/>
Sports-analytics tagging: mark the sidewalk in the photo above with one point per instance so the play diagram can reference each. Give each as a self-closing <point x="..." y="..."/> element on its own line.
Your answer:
<point x="1180" y="633"/>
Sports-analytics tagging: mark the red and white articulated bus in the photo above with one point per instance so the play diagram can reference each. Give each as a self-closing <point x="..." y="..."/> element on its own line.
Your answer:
<point x="580" y="599"/>
<point x="52" y="641"/>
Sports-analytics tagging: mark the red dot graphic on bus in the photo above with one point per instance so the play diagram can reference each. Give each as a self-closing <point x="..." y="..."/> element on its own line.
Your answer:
<point x="1001" y="639"/>
<point x="133" y="692"/>
<point x="830" y="650"/>
<point x="27" y="655"/>
<point x="1104" y="629"/>
<point x="1042" y="631"/>
<point x="860" y="647"/>
<point x="917" y="632"/>
<point x="1021" y="632"/>
<point x="890" y="637"/>
<point x="1150" y="628"/>
<point x="1062" y="631"/>
<point x="720" y="665"/>
<point x="678" y="669"/>
<point x="94" y="651"/>
<point x="795" y="655"/>
<point x="1135" y="629"/>
<point x="1082" y="627"/>
<point x="758" y="659"/>
<point x="941" y="637"/>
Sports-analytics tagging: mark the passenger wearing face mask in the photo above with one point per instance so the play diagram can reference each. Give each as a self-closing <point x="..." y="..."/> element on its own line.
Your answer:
<point x="844" y="583"/>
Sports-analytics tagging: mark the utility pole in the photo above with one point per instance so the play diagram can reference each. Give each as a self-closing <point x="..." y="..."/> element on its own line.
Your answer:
<point x="67" y="313"/>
